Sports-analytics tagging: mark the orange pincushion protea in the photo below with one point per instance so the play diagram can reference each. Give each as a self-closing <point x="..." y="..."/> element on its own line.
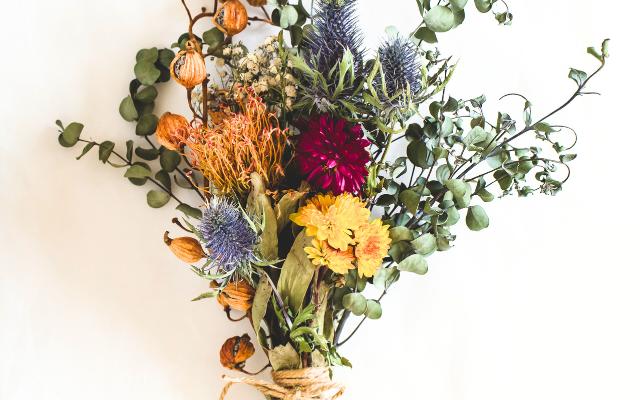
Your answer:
<point x="243" y="143"/>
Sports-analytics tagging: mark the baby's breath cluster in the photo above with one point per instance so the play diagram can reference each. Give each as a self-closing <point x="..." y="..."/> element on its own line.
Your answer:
<point x="266" y="70"/>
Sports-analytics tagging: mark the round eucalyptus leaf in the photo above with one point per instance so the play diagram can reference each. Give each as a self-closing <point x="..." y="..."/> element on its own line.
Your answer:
<point x="147" y="154"/>
<point x="147" y="95"/>
<point x="416" y="264"/>
<point x="128" y="109"/>
<point x="458" y="4"/>
<point x="440" y="19"/>
<point x="213" y="37"/>
<point x="426" y="35"/>
<point x="138" y="172"/>
<point x="146" y="72"/>
<point x="139" y="181"/>
<point x="166" y="56"/>
<point x="147" y="125"/>
<point x="374" y="309"/>
<point x="288" y="16"/>
<point x="150" y="55"/>
<point x="169" y="160"/>
<point x="477" y="218"/>
<point x="355" y="302"/>
<point x="157" y="199"/>
<point x="425" y="244"/>
<point x="71" y="134"/>
<point x="484" y="5"/>
<point x="164" y="178"/>
<point x="418" y="153"/>
<point x="190" y="211"/>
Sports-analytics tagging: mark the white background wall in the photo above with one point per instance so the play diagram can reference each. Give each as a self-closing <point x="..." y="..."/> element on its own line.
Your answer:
<point x="543" y="305"/>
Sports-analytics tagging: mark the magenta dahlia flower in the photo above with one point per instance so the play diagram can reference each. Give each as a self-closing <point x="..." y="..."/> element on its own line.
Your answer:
<point x="332" y="154"/>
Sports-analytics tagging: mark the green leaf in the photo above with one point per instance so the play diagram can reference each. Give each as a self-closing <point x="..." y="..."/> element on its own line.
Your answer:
<point x="190" y="211"/>
<point x="128" y="109"/>
<point x="565" y="158"/>
<point x="579" y="77"/>
<point x="203" y="296"/>
<point x="484" y="5"/>
<point x="426" y="35"/>
<point x="138" y="172"/>
<point x="417" y="152"/>
<point x="458" y="4"/>
<point x="439" y="19"/>
<point x="165" y="57"/>
<point x="150" y="55"/>
<point x="400" y="233"/>
<point x="147" y="125"/>
<point x="374" y="309"/>
<point x="105" y="150"/>
<point x="157" y="199"/>
<point x="288" y="16"/>
<point x="260" y="301"/>
<point x="147" y="95"/>
<point x="477" y="218"/>
<point x="416" y="263"/>
<point x="147" y="154"/>
<point x="213" y="37"/>
<point x="385" y="277"/>
<point x="425" y="244"/>
<point x="410" y="200"/>
<point x="164" y="178"/>
<point x="86" y="149"/>
<point x="461" y="191"/>
<point x="71" y="134"/>
<point x="146" y="72"/>
<point x="296" y="273"/>
<point x="129" y="150"/>
<point x="169" y="160"/>
<point x="284" y="358"/>
<point x="475" y="136"/>
<point x="355" y="302"/>
<point x="260" y="209"/>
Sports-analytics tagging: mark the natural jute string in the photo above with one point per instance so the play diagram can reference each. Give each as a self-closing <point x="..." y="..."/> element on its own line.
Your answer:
<point x="299" y="384"/>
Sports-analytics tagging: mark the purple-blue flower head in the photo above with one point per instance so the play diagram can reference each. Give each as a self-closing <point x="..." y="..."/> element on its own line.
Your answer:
<point x="227" y="235"/>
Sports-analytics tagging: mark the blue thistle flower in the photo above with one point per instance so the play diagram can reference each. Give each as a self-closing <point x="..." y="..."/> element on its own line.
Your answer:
<point x="399" y="60"/>
<point x="335" y="29"/>
<point x="227" y="235"/>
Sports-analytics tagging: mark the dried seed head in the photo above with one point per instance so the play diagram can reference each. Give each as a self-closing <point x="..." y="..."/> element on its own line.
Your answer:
<point x="188" y="68"/>
<point x="236" y="295"/>
<point x="172" y="130"/>
<point x="231" y="18"/>
<point x="236" y="351"/>
<point x="186" y="249"/>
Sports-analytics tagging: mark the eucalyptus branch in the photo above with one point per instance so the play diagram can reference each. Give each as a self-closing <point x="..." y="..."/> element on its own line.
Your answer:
<point x="130" y="164"/>
<point x="357" y="327"/>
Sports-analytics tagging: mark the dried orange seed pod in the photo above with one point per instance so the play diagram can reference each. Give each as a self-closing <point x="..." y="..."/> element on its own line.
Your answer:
<point x="257" y="3"/>
<point x="237" y="296"/>
<point x="188" y="68"/>
<point x="231" y="18"/>
<point x="172" y="130"/>
<point x="186" y="249"/>
<point x="236" y="351"/>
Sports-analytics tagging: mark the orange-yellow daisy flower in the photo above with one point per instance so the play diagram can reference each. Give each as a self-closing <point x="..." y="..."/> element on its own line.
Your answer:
<point x="321" y="254"/>
<point x="333" y="219"/>
<point x="373" y="244"/>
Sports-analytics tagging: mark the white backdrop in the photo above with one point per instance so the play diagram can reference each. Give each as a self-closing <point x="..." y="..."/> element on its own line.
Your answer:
<point x="543" y="305"/>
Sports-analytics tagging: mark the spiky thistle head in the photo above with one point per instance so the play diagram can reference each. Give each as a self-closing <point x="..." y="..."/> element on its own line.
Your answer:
<point x="399" y="63"/>
<point x="335" y="29"/>
<point x="227" y="235"/>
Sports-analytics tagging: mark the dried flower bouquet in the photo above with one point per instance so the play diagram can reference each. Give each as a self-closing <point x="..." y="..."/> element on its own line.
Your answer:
<point x="299" y="205"/>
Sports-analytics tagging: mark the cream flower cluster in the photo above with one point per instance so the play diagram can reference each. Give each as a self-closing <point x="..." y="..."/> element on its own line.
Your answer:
<point x="265" y="69"/>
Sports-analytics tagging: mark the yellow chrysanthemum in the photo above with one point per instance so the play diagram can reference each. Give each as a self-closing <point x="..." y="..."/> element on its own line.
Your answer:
<point x="322" y="255"/>
<point x="373" y="243"/>
<point x="333" y="219"/>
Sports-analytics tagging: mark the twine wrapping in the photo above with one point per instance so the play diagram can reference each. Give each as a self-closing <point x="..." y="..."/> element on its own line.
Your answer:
<point x="299" y="384"/>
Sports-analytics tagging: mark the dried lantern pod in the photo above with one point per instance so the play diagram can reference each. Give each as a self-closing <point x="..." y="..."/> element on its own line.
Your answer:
<point x="236" y="295"/>
<point x="257" y="3"/>
<point x="186" y="249"/>
<point x="172" y="130"/>
<point x="236" y="351"/>
<point x="231" y="18"/>
<point x="188" y="67"/>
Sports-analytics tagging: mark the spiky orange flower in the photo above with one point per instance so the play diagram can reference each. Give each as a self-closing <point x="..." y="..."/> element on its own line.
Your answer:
<point x="246" y="142"/>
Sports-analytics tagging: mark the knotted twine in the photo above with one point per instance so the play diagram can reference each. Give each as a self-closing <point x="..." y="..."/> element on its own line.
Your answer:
<point x="298" y="384"/>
